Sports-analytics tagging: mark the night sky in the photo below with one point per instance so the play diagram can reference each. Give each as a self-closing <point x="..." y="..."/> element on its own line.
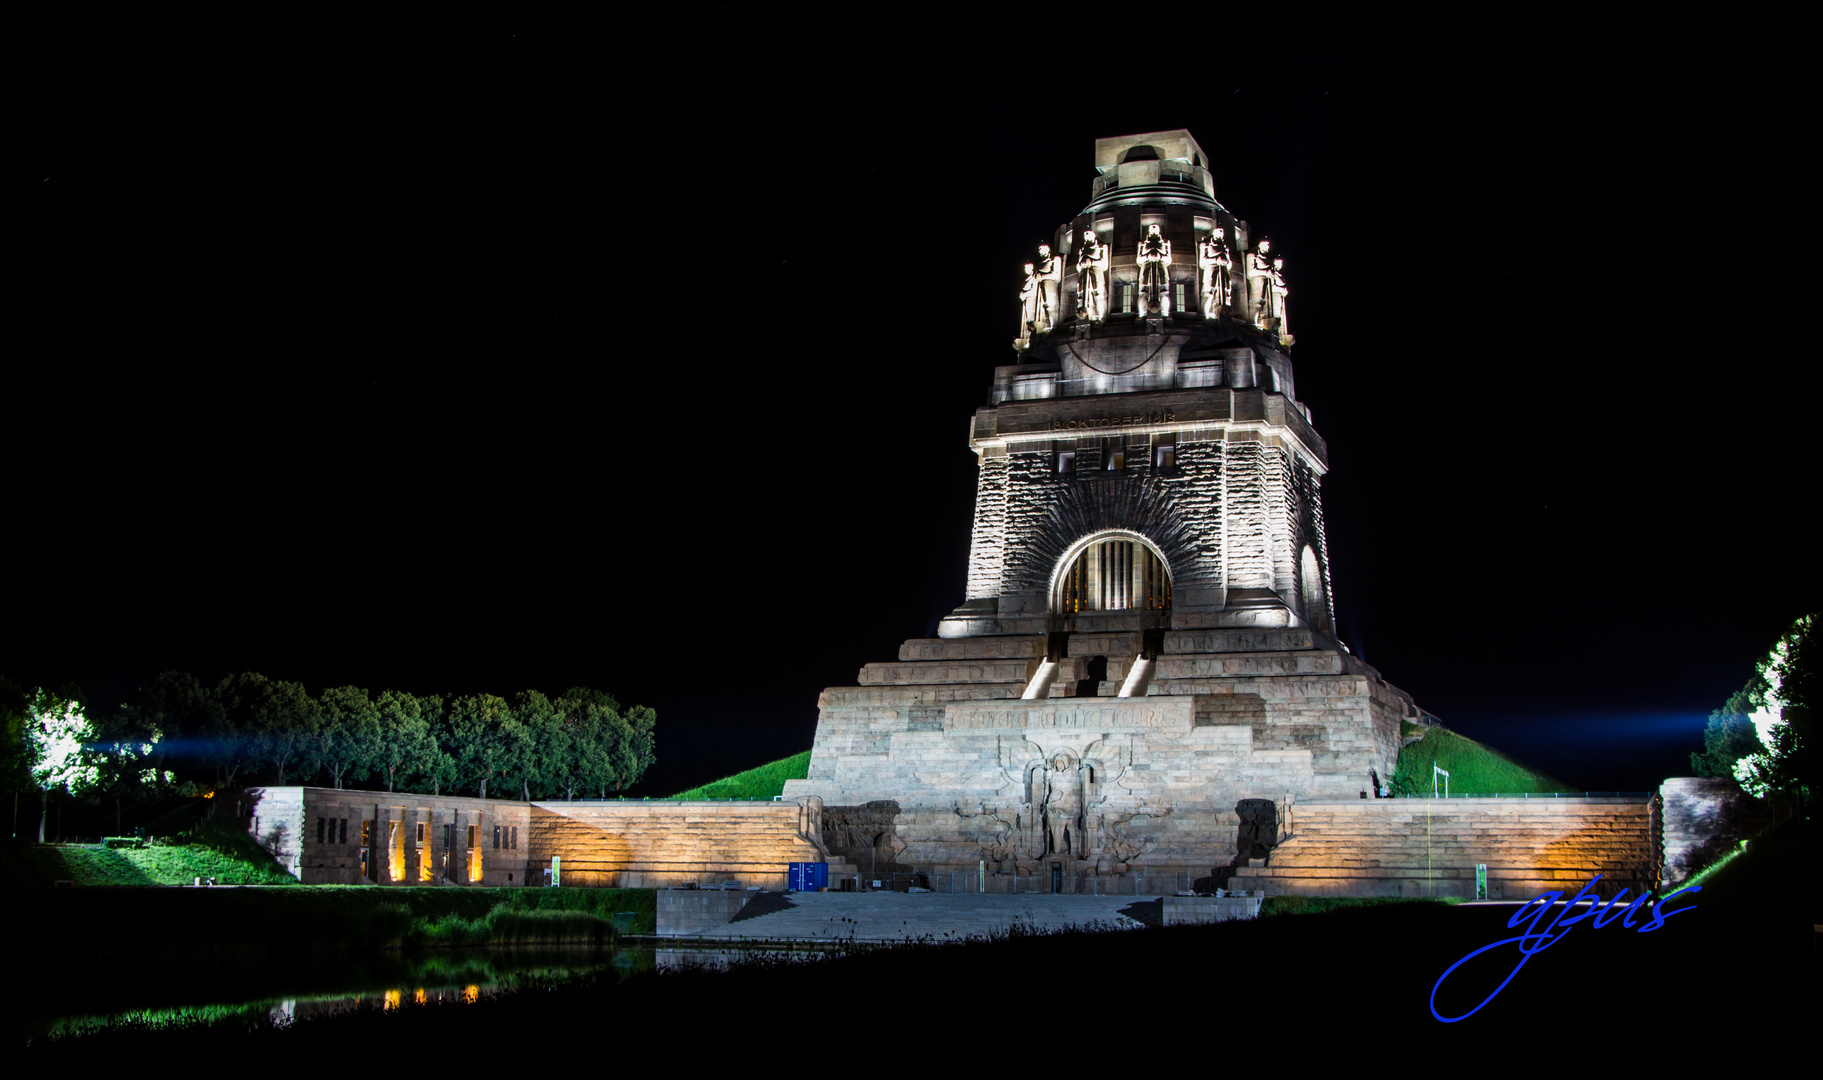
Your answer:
<point x="479" y="354"/>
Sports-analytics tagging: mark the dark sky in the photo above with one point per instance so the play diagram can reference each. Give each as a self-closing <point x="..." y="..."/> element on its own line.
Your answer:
<point x="478" y="353"/>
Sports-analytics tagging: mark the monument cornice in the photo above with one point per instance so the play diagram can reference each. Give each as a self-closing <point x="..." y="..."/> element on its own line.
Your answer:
<point x="1013" y="424"/>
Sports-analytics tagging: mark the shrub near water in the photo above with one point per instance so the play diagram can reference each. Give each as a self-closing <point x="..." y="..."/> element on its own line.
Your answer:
<point x="505" y="926"/>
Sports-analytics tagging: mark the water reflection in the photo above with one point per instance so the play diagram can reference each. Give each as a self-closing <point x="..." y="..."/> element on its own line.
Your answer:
<point x="100" y="998"/>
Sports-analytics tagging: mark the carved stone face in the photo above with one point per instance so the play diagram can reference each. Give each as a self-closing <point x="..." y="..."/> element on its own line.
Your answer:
<point x="1044" y="250"/>
<point x="1028" y="268"/>
<point x="1152" y="230"/>
<point x="1088" y="237"/>
<point x="1265" y="246"/>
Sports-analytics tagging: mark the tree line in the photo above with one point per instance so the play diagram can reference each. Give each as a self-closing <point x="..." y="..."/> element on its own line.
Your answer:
<point x="178" y="734"/>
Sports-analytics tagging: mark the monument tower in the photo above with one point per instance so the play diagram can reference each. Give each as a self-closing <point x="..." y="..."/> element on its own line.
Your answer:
<point x="1143" y="677"/>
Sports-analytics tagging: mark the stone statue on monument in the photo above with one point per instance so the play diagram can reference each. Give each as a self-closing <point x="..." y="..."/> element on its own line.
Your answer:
<point x="1028" y="308"/>
<point x="1154" y="273"/>
<point x="1259" y="281"/>
<point x="1279" y="293"/>
<point x="1050" y="288"/>
<point x="1215" y="264"/>
<point x="1091" y="278"/>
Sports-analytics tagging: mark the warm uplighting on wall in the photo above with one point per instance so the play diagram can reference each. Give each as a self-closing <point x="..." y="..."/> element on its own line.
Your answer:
<point x="391" y="999"/>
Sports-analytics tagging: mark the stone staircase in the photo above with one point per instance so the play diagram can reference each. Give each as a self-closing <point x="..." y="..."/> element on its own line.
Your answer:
<point x="891" y="916"/>
<point x="1429" y="847"/>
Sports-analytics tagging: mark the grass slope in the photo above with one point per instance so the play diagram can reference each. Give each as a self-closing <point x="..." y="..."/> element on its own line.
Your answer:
<point x="758" y="783"/>
<point x="1474" y="769"/>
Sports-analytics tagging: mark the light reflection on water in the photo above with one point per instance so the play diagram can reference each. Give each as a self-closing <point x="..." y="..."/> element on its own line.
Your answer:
<point x="457" y="975"/>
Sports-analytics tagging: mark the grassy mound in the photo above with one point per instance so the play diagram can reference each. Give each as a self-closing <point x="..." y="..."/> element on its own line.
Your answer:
<point x="211" y="849"/>
<point x="1474" y="769"/>
<point x="759" y="783"/>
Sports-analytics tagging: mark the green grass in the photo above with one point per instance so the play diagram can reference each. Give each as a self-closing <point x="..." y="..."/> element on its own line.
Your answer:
<point x="1474" y="769"/>
<point x="210" y="849"/>
<point x="758" y="783"/>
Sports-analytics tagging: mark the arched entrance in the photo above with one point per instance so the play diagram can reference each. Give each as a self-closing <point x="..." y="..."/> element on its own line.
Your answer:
<point x="1114" y="570"/>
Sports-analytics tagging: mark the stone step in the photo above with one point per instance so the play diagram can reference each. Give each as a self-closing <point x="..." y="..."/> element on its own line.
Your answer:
<point x="888" y="916"/>
<point x="945" y="672"/>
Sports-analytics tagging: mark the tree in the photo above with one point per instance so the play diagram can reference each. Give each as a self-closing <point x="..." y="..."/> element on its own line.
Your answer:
<point x="15" y="766"/>
<point x="612" y="749"/>
<point x="228" y="743"/>
<point x="484" y="738"/>
<point x="124" y="748"/>
<point x="186" y="715"/>
<point x="1787" y="723"/>
<point x="59" y="736"/>
<point x="543" y="752"/>
<point x="1730" y="734"/>
<point x="439" y="760"/>
<point x="267" y="720"/>
<point x="402" y="740"/>
<point x="348" y="735"/>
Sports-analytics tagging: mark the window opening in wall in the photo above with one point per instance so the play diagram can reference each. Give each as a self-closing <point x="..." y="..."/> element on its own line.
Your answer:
<point x="1066" y="462"/>
<point x="420" y="838"/>
<point x="1126" y="298"/>
<point x="1164" y="456"/>
<point x="449" y="835"/>
<point x="515" y="838"/>
<point x="496" y="838"/>
<point x="1114" y="458"/>
<point x="344" y="838"/>
<point x="395" y="845"/>
<point x="321" y="824"/>
<point x="1115" y="575"/>
<point x="1177" y="296"/>
<point x="366" y="833"/>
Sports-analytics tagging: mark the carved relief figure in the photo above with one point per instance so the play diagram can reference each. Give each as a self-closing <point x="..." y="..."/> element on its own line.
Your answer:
<point x="1154" y="272"/>
<point x="1259" y="281"/>
<point x="1028" y="308"/>
<point x="1050" y="286"/>
<point x="1215" y="264"/>
<point x="1091" y="278"/>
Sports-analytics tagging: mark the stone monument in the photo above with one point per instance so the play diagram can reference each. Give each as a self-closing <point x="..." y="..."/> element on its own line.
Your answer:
<point x="1145" y="655"/>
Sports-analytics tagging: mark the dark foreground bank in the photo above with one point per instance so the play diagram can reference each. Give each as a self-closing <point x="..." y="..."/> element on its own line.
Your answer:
<point x="1351" y="984"/>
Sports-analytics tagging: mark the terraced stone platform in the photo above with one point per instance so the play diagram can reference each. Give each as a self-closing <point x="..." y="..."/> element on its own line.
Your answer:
<point x="892" y="917"/>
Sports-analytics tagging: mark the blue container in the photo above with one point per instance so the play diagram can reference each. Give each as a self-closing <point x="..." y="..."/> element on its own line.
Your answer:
<point x="807" y="876"/>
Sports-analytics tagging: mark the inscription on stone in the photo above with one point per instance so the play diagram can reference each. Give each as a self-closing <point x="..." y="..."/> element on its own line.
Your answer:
<point x="984" y="716"/>
<point x="1114" y="421"/>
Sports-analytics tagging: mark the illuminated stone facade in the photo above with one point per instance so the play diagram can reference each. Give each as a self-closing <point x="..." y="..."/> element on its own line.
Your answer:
<point x="1142" y="677"/>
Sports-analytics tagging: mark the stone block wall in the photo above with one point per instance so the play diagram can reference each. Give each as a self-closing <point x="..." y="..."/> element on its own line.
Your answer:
<point x="692" y="911"/>
<point x="1705" y="818"/>
<point x="1430" y="847"/>
<point x="662" y="844"/>
<point x="389" y="838"/>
